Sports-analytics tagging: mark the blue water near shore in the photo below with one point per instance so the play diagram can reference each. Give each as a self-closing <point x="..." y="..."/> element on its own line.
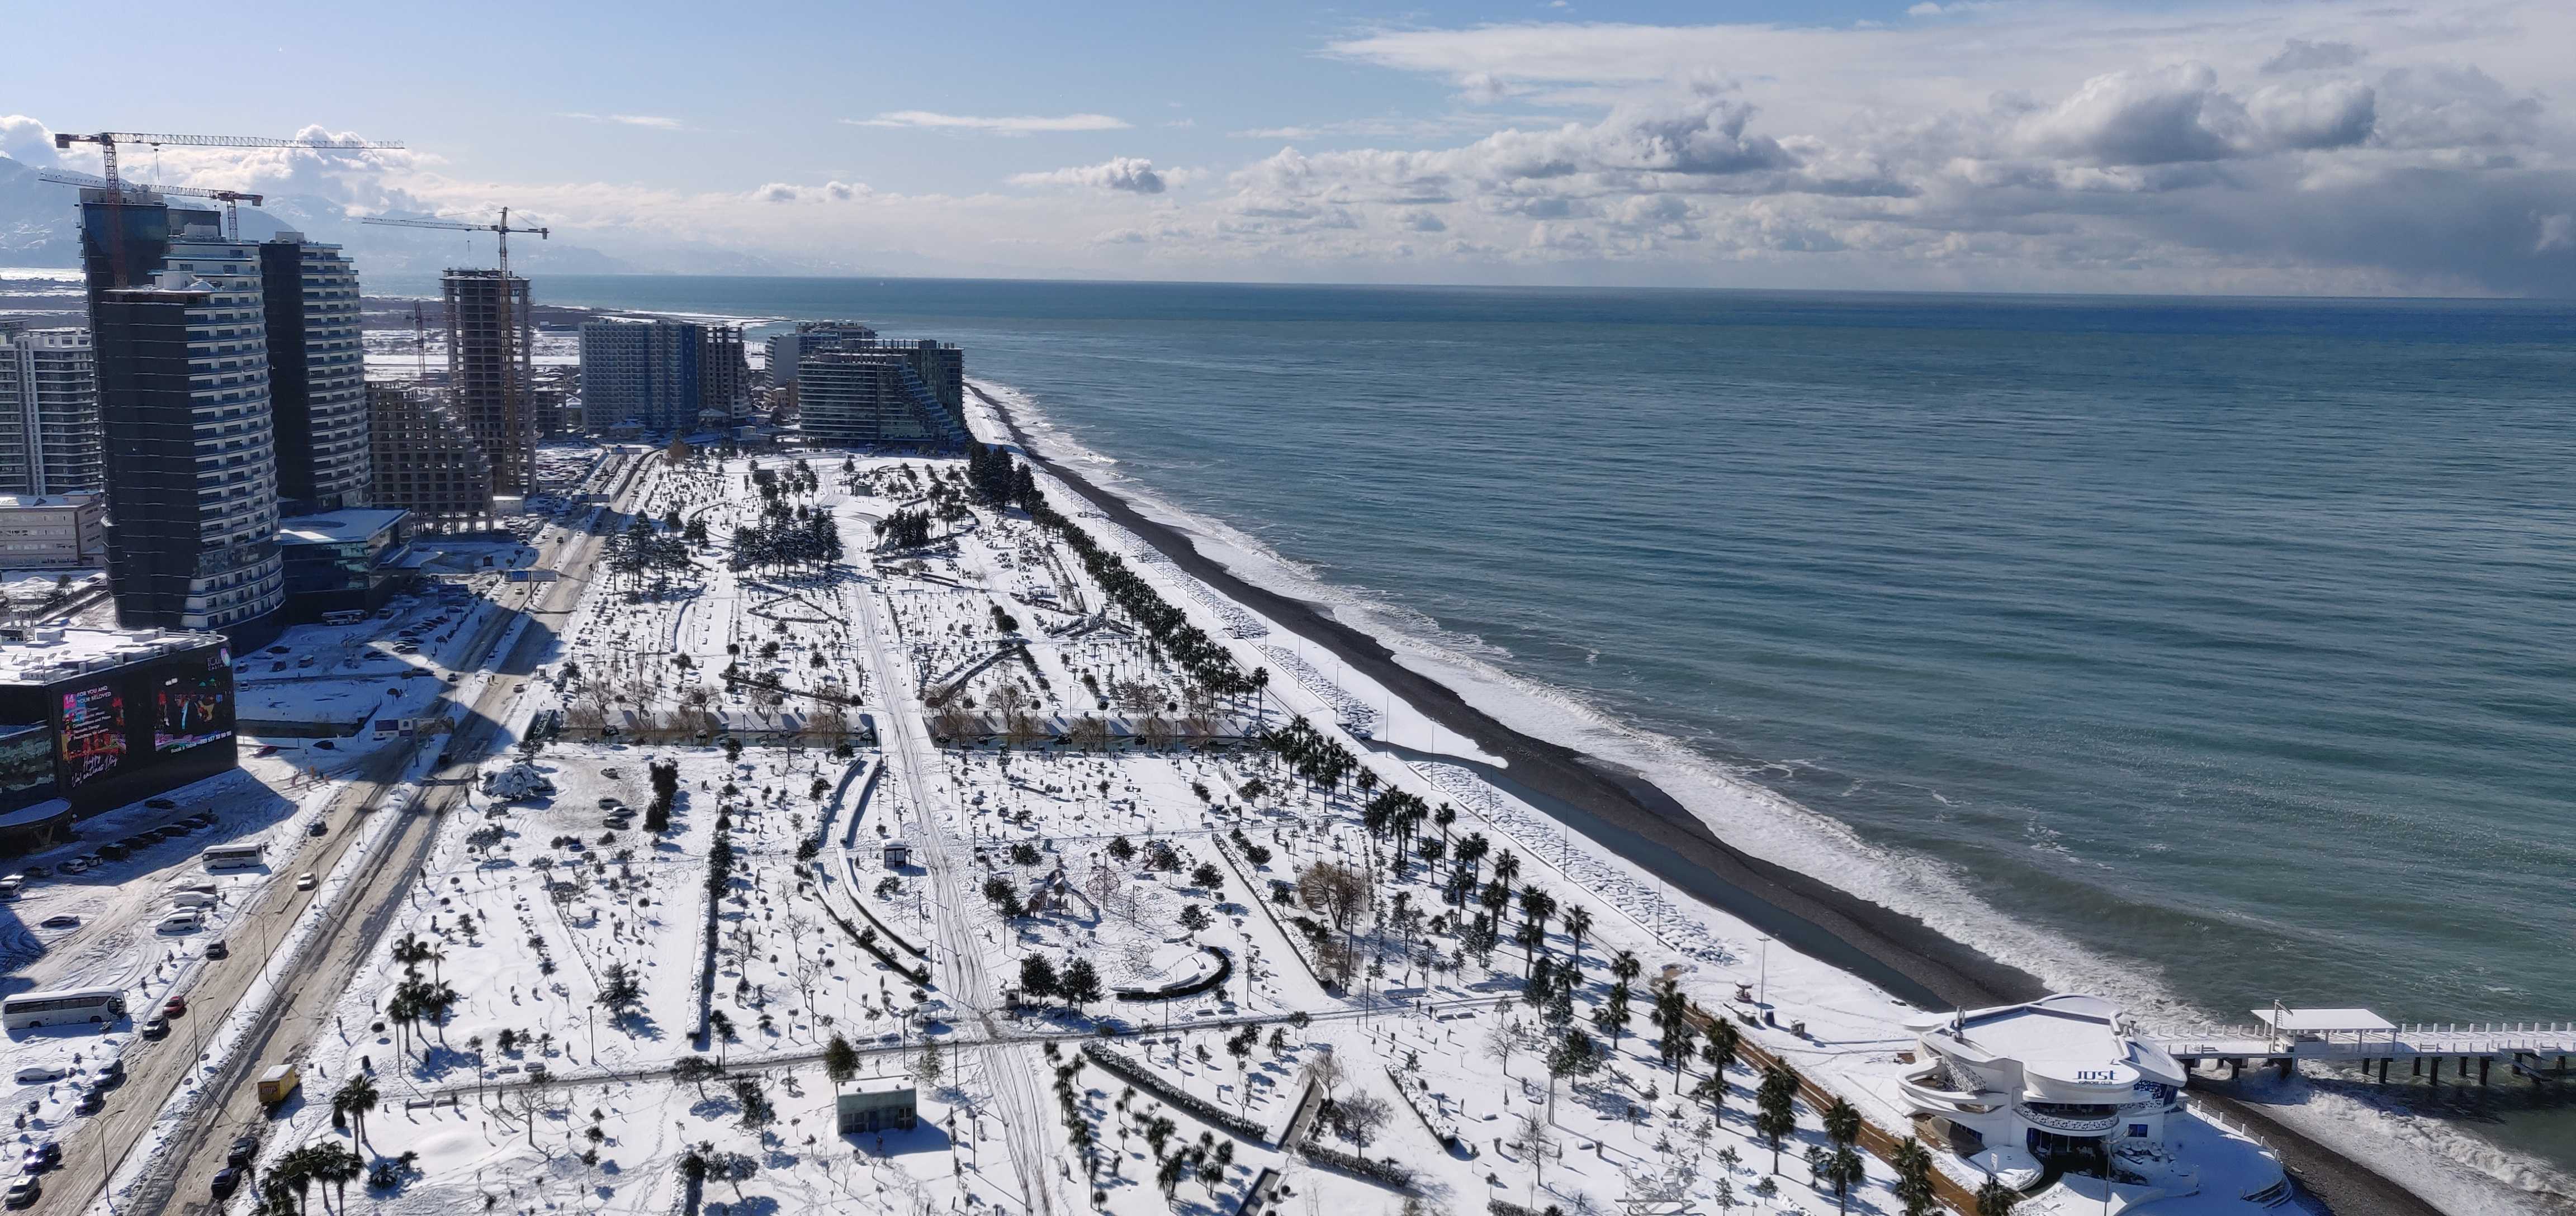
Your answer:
<point x="2231" y="640"/>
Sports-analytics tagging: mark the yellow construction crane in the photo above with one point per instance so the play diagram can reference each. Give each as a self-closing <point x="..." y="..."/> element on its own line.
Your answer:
<point x="522" y="463"/>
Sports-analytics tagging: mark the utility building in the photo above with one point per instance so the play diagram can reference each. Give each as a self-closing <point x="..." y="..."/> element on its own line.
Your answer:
<point x="49" y="429"/>
<point x="317" y="375"/>
<point x="491" y="373"/>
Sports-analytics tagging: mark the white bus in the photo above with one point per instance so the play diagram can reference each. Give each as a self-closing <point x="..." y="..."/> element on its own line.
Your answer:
<point x="234" y="856"/>
<point x="346" y="616"/>
<point x="69" y="1005"/>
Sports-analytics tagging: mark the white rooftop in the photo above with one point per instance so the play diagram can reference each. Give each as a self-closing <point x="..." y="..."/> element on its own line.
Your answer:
<point x="39" y="654"/>
<point x="2319" y="1021"/>
<point x="2067" y="1038"/>
<point x="46" y="500"/>
<point x="336" y="526"/>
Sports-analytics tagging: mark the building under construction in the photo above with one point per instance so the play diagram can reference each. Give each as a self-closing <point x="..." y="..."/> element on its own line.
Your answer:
<point x="427" y="461"/>
<point x="490" y="374"/>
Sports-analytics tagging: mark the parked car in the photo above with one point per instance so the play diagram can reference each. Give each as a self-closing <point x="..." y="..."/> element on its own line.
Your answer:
<point x="326" y="745"/>
<point x="74" y="865"/>
<point x="35" y="872"/>
<point x="192" y="899"/>
<point x="156" y="1027"/>
<point x="22" y="1193"/>
<point x="61" y="920"/>
<point x="180" y="922"/>
<point x="38" y="1074"/>
<point x="318" y="828"/>
<point x="46" y="1156"/>
<point x="305" y="881"/>
<point x="174" y="1006"/>
<point x="111" y="1073"/>
<point x="266" y="749"/>
<point x="161" y="804"/>
<point x="244" y="1151"/>
<point x="217" y="949"/>
<point x="91" y="1102"/>
<point x="227" y="1180"/>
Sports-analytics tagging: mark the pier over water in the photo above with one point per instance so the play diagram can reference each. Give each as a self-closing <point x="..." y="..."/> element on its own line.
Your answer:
<point x="2286" y="1037"/>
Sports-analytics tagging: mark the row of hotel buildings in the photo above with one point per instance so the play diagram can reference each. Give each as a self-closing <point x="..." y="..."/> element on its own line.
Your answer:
<point x="216" y="411"/>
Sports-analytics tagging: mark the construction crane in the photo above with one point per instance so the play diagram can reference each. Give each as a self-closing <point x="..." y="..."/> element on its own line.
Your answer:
<point x="229" y="198"/>
<point x="522" y="457"/>
<point x="107" y="142"/>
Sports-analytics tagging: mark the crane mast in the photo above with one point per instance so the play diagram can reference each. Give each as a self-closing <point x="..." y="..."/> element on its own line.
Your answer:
<point x="522" y="457"/>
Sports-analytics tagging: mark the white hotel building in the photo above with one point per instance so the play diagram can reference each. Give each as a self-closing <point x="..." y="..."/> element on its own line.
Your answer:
<point x="2065" y="1088"/>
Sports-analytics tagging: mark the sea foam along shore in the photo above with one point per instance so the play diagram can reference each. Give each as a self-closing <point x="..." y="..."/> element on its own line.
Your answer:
<point x="1624" y="812"/>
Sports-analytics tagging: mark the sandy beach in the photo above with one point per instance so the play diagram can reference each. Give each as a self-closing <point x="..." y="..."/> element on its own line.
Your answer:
<point x="1627" y="814"/>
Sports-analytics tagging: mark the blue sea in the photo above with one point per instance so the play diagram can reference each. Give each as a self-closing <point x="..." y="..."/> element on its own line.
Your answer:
<point x="2228" y="644"/>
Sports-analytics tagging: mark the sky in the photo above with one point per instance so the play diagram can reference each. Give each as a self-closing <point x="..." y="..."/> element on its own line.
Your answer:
<point x="2226" y="146"/>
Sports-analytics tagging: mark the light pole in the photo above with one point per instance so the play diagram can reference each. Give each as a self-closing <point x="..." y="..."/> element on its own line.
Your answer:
<point x="1762" y="980"/>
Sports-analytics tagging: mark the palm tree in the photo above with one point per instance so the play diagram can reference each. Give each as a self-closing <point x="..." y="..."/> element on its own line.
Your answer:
<point x="335" y="1165"/>
<point x="1913" y="1165"/>
<point x="1719" y="1053"/>
<point x="1577" y="923"/>
<point x="354" y="1102"/>
<point x="1507" y="867"/>
<point x="1996" y="1199"/>
<point x="1843" y="1170"/>
<point x="1778" y="1117"/>
<point x="1842" y="1123"/>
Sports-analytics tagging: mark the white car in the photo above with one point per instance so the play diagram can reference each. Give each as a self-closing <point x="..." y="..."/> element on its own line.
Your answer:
<point x="191" y="899"/>
<point x="38" y="1074"/>
<point x="183" y="922"/>
<point x="304" y="881"/>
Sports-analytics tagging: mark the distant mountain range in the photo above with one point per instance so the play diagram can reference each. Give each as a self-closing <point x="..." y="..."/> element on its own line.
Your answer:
<point x="39" y="228"/>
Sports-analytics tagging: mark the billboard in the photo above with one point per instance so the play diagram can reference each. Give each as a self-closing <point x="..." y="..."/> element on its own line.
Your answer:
<point x="191" y="709"/>
<point x="26" y="764"/>
<point x="93" y="732"/>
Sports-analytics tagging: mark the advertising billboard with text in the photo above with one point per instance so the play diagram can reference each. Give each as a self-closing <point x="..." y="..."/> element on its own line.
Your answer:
<point x="93" y="732"/>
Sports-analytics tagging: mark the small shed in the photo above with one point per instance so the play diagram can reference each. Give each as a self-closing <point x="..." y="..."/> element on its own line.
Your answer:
<point x="877" y="1104"/>
<point x="898" y="853"/>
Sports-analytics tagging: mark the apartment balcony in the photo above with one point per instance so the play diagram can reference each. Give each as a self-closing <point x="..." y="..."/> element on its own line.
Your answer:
<point x="1920" y="1089"/>
<point x="2069" y="1118"/>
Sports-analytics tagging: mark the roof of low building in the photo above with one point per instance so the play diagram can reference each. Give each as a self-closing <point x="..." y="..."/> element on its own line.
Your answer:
<point x="336" y="526"/>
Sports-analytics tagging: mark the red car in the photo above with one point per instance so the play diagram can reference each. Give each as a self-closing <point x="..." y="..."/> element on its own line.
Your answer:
<point x="174" y="1006"/>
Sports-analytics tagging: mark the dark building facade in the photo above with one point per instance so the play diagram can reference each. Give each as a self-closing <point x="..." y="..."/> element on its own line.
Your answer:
<point x="426" y="459"/>
<point x="192" y="498"/>
<point x="665" y="377"/>
<point x="123" y="715"/>
<point x="490" y="372"/>
<point x="341" y="562"/>
<point x="317" y="375"/>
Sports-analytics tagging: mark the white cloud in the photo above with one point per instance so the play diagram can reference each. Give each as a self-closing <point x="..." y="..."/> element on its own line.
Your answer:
<point x="26" y="141"/>
<point x="1132" y="174"/>
<point x="2302" y="55"/>
<point x="653" y="121"/>
<point x="828" y="192"/>
<point x="1017" y="125"/>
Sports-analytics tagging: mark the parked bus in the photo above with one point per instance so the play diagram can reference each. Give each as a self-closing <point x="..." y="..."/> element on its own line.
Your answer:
<point x="234" y="856"/>
<point x="69" y="1005"/>
<point x="346" y="616"/>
